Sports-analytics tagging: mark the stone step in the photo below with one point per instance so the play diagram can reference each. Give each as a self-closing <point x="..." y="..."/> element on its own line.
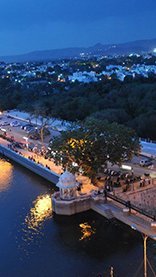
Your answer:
<point x="103" y="210"/>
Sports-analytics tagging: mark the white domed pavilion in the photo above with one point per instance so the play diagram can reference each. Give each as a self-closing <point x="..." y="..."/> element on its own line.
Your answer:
<point x="67" y="185"/>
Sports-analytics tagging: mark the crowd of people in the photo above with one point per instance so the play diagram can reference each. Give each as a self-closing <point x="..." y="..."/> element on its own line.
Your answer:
<point x="32" y="158"/>
<point x="112" y="179"/>
<point x="126" y="180"/>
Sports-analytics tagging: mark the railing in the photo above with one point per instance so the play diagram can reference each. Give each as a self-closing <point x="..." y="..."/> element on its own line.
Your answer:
<point x="130" y="206"/>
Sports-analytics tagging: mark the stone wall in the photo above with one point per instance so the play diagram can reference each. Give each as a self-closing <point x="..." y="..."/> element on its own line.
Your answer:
<point x="70" y="207"/>
<point x="34" y="167"/>
<point x="145" y="199"/>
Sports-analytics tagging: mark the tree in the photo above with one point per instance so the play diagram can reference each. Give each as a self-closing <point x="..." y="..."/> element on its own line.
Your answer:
<point x="41" y="111"/>
<point x="112" y="115"/>
<point x="91" y="145"/>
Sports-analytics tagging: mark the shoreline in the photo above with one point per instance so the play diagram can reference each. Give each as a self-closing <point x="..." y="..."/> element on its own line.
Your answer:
<point x="38" y="169"/>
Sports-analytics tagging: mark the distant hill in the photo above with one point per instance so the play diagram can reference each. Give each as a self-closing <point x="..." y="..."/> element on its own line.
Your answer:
<point x="138" y="46"/>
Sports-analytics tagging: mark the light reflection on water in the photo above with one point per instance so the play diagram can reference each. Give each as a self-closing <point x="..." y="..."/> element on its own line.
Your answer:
<point x="32" y="226"/>
<point x="41" y="211"/>
<point x="86" y="230"/>
<point x="6" y="172"/>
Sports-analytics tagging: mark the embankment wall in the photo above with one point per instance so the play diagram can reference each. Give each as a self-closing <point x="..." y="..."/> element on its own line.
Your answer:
<point x="36" y="168"/>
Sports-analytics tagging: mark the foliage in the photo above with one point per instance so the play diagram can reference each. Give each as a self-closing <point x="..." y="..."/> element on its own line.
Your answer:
<point x="130" y="102"/>
<point x="41" y="111"/>
<point x="92" y="145"/>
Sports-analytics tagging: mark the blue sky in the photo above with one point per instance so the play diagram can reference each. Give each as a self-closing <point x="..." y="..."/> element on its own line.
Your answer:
<point x="47" y="24"/>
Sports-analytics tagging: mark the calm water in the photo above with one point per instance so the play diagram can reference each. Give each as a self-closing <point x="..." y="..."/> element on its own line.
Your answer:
<point x="35" y="242"/>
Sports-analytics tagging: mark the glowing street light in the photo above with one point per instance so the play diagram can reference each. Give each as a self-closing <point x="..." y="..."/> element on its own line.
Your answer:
<point x="4" y="130"/>
<point x="126" y="167"/>
<point x="26" y="139"/>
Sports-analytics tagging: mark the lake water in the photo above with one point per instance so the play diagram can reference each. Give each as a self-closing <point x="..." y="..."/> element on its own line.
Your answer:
<point x="36" y="243"/>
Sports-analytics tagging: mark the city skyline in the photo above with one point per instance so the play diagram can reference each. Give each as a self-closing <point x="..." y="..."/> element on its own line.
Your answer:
<point x="59" y="24"/>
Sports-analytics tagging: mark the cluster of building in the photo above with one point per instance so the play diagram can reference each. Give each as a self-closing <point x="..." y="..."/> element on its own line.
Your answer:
<point x="85" y="71"/>
<point x="114" y="71"/>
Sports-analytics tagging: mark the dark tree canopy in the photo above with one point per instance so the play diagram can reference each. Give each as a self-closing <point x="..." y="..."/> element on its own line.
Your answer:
<point x="92" y="145"/>
<point x="130" y="102"/>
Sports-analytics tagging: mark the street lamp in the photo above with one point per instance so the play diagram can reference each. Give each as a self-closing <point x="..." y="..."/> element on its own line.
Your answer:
<point x="26" y="139"/>
<point x="4" y="131"/>
<point x="111" y="271"/>
<point x="145" y="237"/>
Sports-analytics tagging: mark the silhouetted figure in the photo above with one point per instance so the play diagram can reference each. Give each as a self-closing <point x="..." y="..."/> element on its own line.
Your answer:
<point x="105" y="194"/>
<point x="128" y="205"/>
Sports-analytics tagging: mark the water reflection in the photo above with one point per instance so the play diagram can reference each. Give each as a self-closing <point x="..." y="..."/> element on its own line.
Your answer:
<point x="41" y="211"/>
<point x="86" y="230"/>
<point x="6" y="172"/>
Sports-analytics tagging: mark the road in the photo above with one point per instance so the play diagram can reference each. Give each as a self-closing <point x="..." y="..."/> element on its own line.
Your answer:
<point x="20" y="134"/>
<point x="138" y="170"/>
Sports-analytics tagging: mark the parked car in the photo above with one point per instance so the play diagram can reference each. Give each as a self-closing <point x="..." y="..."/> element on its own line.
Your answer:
<point x="22" y="127"/>
<point x="28" y="128"/>
<point x="25" y="126"/>
<point x="145" y="162"/>
<point x="14" y="124"/>
<point x="5" y="123"/>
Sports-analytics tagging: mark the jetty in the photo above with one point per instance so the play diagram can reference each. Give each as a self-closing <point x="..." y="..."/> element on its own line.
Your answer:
<point x="68" y="201"/>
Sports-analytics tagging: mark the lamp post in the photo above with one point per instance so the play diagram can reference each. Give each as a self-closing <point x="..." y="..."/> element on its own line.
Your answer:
<point x="145" y="237"/>
<point x="4" y="131"/>
<point x="111" y="271"/>
<point x="26" y="139"/>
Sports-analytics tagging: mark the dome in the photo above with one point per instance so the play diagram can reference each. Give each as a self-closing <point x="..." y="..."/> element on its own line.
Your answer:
<point x="67" y="180"/>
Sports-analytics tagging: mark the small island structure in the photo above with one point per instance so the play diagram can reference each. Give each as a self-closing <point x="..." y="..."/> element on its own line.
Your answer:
<point x="68" y="201"/>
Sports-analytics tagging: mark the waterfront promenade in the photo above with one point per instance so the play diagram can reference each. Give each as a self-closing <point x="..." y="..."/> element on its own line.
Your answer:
<point x="111" y="209"/>
<point x="39" y="166"/>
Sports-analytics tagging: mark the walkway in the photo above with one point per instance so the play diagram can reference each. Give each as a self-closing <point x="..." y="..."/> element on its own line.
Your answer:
<point x="135" y="220"/>
<point x="87" y="186"/>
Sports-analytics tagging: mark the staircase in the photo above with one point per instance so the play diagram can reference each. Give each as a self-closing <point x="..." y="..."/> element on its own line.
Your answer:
<point x="102" y="209"/>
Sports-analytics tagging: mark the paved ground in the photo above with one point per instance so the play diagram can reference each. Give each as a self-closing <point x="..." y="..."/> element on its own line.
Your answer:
<point x="137" y="169"/>
<point x="20" y="134"/>
<point x="135" y="220"/>
<point x="149" y="148"/>
<point x="87" y="186"/>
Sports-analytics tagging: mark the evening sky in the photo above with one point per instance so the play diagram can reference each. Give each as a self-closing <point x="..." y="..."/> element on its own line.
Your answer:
<point x="27" y="25"/>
